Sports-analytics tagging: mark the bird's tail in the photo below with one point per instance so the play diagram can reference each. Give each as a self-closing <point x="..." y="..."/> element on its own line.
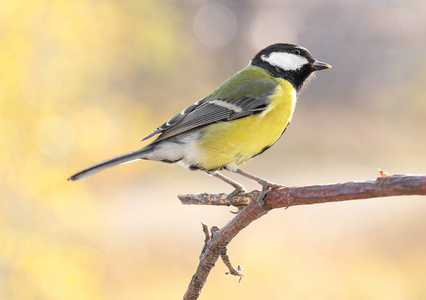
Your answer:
<point x="121" y="159"/>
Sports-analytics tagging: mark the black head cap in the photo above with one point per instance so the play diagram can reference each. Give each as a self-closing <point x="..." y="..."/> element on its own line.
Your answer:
<point x="288" y="61"/>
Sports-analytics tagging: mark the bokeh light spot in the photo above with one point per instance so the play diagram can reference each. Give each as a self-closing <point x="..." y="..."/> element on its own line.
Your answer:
<point x="54" y="136"/>
<point x="215" y="25"/>
<point x="95" y="119"/>
<point x="270" y="26"/>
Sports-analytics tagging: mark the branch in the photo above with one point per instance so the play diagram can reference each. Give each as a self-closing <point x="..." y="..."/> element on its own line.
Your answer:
<point x="395" y="185"/>
<point x="383" y="186"/>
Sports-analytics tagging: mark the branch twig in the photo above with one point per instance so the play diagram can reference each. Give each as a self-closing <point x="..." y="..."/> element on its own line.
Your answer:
<point x="383" y="186"/>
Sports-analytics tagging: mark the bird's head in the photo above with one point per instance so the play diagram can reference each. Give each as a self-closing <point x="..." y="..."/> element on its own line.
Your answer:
<point x="288" y="61"/>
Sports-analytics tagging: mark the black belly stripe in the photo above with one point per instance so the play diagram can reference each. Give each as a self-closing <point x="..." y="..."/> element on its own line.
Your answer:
<point x="170" y="161"/>
<point x="269" y="146"/>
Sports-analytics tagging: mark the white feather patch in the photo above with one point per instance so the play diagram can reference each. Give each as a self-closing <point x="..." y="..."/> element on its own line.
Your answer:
<point x="285" y="61"/>
<point x="183" y="150"/>
<point x="227" y="105"/>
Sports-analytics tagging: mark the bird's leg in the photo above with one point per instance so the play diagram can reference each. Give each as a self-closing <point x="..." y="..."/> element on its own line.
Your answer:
<point x="264" y="183"/>
<point x="238" y="187"/>
<point x="260" y="198"/>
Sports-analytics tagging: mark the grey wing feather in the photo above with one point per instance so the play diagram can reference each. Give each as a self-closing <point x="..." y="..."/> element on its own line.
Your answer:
<point x="209" y="113"/>
<point x="205" y="114"/>
<point x="210" y="110"/>
<point x="174" y="120"/>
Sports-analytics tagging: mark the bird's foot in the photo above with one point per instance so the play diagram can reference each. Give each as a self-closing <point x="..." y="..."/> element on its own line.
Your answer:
<point x="266" y="185"/>
<point x="238" y="190"/>
<point x="260" y="198"/>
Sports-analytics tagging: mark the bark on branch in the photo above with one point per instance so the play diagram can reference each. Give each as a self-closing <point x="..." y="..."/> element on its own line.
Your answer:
<point x="215" y="246"/>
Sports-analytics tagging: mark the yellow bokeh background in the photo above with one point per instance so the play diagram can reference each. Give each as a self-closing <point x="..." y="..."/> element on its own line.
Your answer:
<point x="82" y="81"/>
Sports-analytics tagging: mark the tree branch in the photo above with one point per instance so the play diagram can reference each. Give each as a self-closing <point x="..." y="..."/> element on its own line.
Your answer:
<point x="383" y="186"/>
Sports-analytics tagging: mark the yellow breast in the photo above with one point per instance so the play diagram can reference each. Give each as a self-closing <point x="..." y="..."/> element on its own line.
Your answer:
<point x="230" y="144"/>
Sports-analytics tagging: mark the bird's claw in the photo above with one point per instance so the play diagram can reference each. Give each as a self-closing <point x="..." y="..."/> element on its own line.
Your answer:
<point x="238" y="190"/>
<point x="260" y="198"/>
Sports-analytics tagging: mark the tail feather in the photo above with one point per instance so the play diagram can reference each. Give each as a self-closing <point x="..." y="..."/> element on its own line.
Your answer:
<point x="121" y="159"/>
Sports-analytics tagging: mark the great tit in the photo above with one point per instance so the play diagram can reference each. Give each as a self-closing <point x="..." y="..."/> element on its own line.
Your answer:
<point x="241" y="119"/>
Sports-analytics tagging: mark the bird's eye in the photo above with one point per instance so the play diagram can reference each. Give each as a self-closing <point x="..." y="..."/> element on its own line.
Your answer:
<point x="296" y="51"/>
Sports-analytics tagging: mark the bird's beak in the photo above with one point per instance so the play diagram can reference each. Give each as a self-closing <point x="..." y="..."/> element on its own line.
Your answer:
<point x="317" y="65"/>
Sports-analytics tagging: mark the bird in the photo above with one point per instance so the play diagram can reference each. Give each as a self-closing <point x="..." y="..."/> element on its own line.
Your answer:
<point x="241" y="119"/>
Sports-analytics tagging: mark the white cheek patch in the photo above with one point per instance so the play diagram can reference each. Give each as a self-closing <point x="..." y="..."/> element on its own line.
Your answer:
<point x="285" y="61"/>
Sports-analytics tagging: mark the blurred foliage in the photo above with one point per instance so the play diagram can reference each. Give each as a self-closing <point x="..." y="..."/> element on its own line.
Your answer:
<point x="84" y="80"/>
<point x="60" y="60"/>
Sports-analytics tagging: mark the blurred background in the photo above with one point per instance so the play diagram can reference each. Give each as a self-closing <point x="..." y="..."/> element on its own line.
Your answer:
<point x="81" y="81"/>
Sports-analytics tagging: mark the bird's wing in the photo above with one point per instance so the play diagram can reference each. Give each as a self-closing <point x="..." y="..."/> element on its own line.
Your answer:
<point x="248" y="98"/>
